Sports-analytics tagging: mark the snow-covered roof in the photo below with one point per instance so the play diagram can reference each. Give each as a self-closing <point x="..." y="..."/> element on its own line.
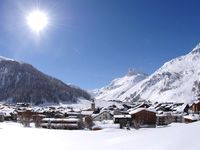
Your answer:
<point x="87" y="112"/>
<point x="196" y="102"/>
<point x="104" y="111"/>
<point x="141" y="109"/>
<point x="62" y="119"/>
<point x="122" y="116"/>
<point x="192" y="117"/>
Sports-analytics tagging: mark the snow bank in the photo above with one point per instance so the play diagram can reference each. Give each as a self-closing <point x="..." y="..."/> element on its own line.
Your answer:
<point x="175" y="137"/>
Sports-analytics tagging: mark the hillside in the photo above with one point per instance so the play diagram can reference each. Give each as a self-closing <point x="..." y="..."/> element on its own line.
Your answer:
<point x="21" y="82"/>
<point x="119" y="86"/>
<point x="176" y="81"/>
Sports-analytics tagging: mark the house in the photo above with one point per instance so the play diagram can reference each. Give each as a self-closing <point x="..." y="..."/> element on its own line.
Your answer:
<point x="26" y="116"/>
<point x="123" y="120"/>
<point x="181" y="108"/>
<point x="104" y="115"/>
<point x="62" y="123"/>
<point x="196" y="107"/>
<point x="165" y="107"/>
<point x="177" y="117"/>
<point x="143" y="117"/>
<point x="164" y="119"/>
<point x="191" y="118"/>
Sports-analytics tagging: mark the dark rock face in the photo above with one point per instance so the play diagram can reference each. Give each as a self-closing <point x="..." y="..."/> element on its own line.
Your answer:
<point x="21" y="82"/>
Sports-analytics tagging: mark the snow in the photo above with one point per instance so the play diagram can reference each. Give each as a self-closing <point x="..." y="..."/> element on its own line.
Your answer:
<point x="62" y="119"/>
<point x="174" y="137"/>
<point x="140" y="109"/>
<point x="5" y="58"/>
<point x="176" y="81"/>
<point x="119" y="86"/>
<point x="87" y="112"/>
<point x="106" y="124"/>
<point x="122" y="116"/>
<point x="192" y="117"/>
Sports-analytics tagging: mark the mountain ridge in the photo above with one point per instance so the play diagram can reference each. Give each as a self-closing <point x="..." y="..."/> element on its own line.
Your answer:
<point x="21" y="82"/>
<point x="176" y="81"/>
<point x="118" y="86"/>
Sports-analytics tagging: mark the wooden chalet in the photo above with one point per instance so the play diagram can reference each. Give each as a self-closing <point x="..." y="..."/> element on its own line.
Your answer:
<point x="104" y="115"/>
<point x="196" y="107"/>
<point x="164" y="119"/>
<point x="26" y="116"/>
<point x="143" y="117"/>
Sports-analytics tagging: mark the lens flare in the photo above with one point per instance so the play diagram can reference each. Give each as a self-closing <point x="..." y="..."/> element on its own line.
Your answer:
<point x="37" y="20"/>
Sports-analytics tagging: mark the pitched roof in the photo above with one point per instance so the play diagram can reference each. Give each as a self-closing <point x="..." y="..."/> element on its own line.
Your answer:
<point x="141" y="109"/>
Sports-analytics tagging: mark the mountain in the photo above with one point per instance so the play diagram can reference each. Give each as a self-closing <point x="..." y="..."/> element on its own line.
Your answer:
<point x="21" y="82"/>
<point x="176" y="81"/>
<point x="119" y="86"/>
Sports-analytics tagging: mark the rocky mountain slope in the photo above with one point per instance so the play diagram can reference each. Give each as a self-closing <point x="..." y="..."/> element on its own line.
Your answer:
<point x="119" y="86"/>
<point x="176" y="81"/>
<point x="21" y="82"/>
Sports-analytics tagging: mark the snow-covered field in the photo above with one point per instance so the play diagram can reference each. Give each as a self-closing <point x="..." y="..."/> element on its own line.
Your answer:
<point x="173" y="137"/>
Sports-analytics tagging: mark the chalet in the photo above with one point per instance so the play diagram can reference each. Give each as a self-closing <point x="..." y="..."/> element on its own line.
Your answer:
<point x="180" y="108"/>
<point x="62" y="123"/>
<point x="164" y="119"/>
<point x="123" y="120"/>
<point x="26" y="116"/>
<point x="196" y="107"/>
<point x="177" y="117"/>
<point x="191" y="118"/>
<point x="165" y="107"/>
<point x="104" y="115"/>
<point x="120" y="112"/>
<point x="143" y="117"/>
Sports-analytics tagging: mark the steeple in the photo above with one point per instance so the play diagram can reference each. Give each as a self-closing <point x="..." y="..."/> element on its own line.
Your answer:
<point x="93" y="105"/>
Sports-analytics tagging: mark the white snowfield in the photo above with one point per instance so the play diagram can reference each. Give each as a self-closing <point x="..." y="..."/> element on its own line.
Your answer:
<point x="176" y="81"/>
<point x="119" y="86"/>
<point x="174" y="137"/>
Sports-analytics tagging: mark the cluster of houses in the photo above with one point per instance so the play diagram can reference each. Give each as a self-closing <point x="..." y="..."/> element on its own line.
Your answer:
<point x="136" y="115"/>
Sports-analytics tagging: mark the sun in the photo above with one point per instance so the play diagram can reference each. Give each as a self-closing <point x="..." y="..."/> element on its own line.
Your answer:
<point x="37" y="20"/>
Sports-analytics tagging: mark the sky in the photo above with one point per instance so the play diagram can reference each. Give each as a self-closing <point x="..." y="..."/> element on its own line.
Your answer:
<point x="90" y="42"/>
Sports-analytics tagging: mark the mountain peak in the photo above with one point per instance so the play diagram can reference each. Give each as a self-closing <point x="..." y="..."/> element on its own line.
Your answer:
<point x="5" y="58"/>
<point x="196" y="49"/>
<point x="133" y="71"/>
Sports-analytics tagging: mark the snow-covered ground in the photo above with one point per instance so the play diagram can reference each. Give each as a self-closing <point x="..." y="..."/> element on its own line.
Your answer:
<point x="174" y="137"/>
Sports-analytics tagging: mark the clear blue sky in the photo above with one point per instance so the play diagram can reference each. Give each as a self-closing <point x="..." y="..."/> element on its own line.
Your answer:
<point x="90" y="42"/>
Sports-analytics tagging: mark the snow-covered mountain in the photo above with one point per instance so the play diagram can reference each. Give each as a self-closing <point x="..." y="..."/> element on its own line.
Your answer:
<point x="176" y="81"/>
<point x="119" y="86"/>
<point x="21" y="82"/>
